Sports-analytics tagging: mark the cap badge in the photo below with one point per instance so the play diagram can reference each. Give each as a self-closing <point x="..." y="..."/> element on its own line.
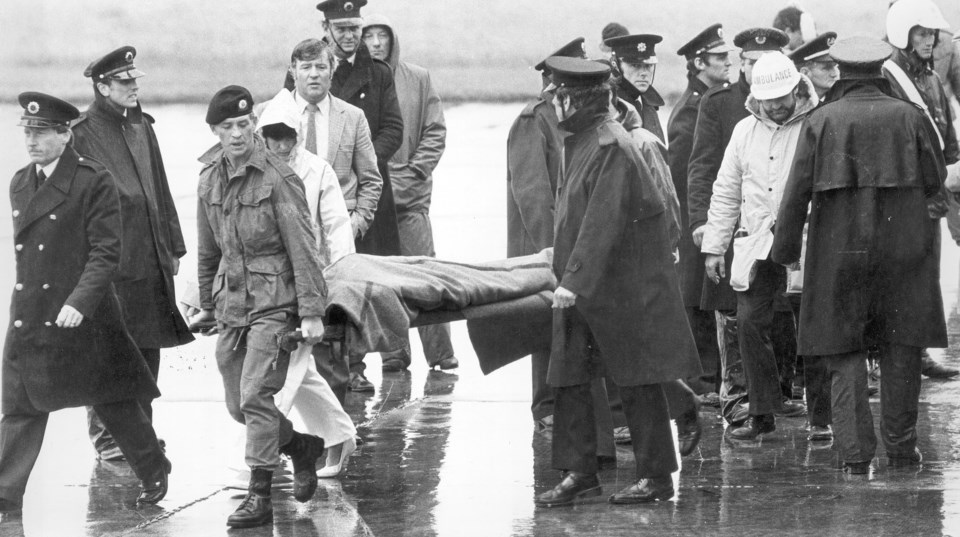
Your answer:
<point x="831" y="41"/>
<point x="33" y="107"/>
<point x="760" y="39"/>
<point x="720" y="33"/>
<point x="642" y="47"/>
<point x="583" y="48"/>
<point x="129" y="56"/>
<point x="348" y="6"/>
<point x="242" y="105"/>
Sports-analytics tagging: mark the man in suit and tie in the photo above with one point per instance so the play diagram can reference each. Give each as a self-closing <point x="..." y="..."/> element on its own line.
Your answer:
<point x="338" y="132"/>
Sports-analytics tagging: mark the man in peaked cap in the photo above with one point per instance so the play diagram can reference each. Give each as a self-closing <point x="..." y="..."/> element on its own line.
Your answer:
<point x="368" y="84"/>
<point x="814" y="61"/>
<point x="614" y="313"/>
<point x="636" y="59"/>
<point x="708" y="65"/>
<point x="885" y="291"/>
<point x="67" y="345"/>
<point x="115" y="131"/>
<point x="721" y="108"/>
<point x="254" y="224"/>
<point x="533" y="167"/>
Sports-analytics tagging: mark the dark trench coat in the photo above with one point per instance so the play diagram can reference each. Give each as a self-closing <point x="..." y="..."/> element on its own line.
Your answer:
<point x="872" y="267"/>
<point x="151" y="227"/>
<point x="612" y="248"/>
<point x="67" y="248"/>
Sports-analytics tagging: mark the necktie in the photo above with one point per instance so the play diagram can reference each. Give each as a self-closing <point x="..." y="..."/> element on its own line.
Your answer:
<point x="342" y="72"/>
<point x="312" y="128"/>
<point x="41" y="177"/>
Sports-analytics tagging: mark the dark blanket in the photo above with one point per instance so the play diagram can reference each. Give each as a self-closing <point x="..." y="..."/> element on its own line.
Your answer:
<point x="383" y="296"/>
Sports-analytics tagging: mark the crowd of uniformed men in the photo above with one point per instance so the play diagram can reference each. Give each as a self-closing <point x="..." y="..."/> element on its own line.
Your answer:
<point x="777" y="242"/>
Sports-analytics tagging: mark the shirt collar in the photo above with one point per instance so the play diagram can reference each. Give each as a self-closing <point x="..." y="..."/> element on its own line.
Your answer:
<point x="49" y="168"/>
<point x="323" y="106"/>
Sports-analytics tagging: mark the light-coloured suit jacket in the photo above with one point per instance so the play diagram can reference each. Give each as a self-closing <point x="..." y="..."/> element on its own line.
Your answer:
<point x="350" y="153"/>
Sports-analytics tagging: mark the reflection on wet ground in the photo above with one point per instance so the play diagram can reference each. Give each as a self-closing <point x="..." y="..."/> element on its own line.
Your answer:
<point x="457" y="455"/>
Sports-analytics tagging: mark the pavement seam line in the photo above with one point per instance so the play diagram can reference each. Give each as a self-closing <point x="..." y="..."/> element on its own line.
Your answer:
<point x="167" y="514"/>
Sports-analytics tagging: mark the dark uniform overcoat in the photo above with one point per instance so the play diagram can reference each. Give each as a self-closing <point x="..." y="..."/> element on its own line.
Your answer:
<point x="646" y="103"/>
<point x="871" y="272"/>
<point x="127" y="146"/>
<point x="680" y="129"/>
<point x="721" y="108"/>
<point x="369" y="86"/>
<point x="533" y="164"/>
<point x="612" y="249"/>
<point x="67" y="250"/>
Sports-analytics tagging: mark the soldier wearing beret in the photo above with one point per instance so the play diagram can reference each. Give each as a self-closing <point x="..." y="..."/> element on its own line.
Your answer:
<point x="721" y="108"/>
<point x="708" y="65"/>
<point x="116" y="132"/>
<point x="260" y="277"/>
<point x="883" y="288"/>
<point x="67" y="345"/>
<point x="617" y="307"/>
<point x="636" y="59"/>
<point x="366" y="83"/>
<point x="814" y="61"/>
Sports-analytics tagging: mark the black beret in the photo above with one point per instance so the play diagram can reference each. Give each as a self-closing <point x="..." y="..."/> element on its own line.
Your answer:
<point x="576" y="72"/>
<point x="42" y="110"/>
<point x="709" y="41"/>
<point x="863" y="55"/>
<point x="816" y="48"/>
<point x="114" y="65"/>
<point x="637" y="48"/>
<point x="230" y="102"/>
<point x="573" y="49"/>
<point x="755" y="41"/>
<point x="613" y="29"/>
<point x="341" y="9"/>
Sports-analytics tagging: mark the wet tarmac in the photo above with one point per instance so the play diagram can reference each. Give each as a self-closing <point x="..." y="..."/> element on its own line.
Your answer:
<point x="457" y="454"/>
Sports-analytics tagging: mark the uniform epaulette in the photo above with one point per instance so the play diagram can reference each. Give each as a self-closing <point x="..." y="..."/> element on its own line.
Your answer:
<point x="528" y="110"/>
<point x="717" y="89"/>
<point x="89" y="162"/>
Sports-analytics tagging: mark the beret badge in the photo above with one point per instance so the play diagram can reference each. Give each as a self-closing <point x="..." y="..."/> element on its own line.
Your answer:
<point x="348" y="6"/>
<point x="761" y="39"/>
<point x="242" y="105"/>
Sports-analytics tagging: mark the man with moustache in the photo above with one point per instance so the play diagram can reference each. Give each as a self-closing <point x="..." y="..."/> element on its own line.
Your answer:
<point x="66" y="345"/>
<point x="260" y="278"/>
<point x="116" y="132"/>
<point x="708" y="65"/>
<point x="366" y="83"/>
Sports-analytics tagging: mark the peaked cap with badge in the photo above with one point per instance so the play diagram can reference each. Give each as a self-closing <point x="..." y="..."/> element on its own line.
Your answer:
<point x="577" y="72"/>
<point x="754" y="42"/>
<point x="45" y="111"/>
<point x="344" y="12"/>
<point x="636" y="48"/>
<point x="815" y="50"/>
<point x="573" y="49"/>
<point x="709" y="41"/>
<point x="116" y="65"/>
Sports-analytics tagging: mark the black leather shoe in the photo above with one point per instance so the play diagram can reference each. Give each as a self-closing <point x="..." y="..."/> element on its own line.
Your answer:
<point x="573" y="485"/>
<point x="646" y="490"/>
<point x="689" y="430"/>
<point x="393" y="365"/>
<point x="254" y="510"/>
<point x="856" y="468"/>
<point x="153" y="490"/>
<point x="304" y="450"/>
<point x="754" y="427"/>
<point x="899" y="461"/>
<point x="448" y="363"/>
<point x="932" y="369"/>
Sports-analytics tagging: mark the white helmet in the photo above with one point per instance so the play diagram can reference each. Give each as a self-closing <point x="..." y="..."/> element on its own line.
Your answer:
<point x="905" y="14"/>
<point x="774" y="75"/>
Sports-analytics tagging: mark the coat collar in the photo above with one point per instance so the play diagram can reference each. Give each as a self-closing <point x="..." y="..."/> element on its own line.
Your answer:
<point x="848" y="86"/>
<point x="51" y="193"/>
<point x="101" y="108"/>
<point x="594" y="112"/>
<point x="360" y="75"/>
<point x="651" y="97"/>
<point x="695" y="85"/>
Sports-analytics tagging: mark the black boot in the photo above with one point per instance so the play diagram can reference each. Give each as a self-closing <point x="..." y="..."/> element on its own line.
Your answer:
<point x="153" y="490"/>
<point x="256" y="509"/>
<point x="304" y="450"/>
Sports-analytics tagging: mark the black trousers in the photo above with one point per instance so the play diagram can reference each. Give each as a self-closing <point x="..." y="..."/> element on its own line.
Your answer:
<point x="541" y="392"/>
<point x="681" y="400"/>
<point x="332" y="368"/>
<point x="575" y="435"/>
<point x="100" y="434"/>
<point x="703" y="323"/>
<point x="21" y="436"/>
<point x="755" y="328"/>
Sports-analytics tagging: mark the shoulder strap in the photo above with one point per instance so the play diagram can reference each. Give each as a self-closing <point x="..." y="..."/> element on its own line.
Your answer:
<point x="912" y="93"/>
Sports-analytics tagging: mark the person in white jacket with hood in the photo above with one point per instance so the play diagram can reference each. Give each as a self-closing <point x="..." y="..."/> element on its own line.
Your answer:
<point x="749" y="186"/>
